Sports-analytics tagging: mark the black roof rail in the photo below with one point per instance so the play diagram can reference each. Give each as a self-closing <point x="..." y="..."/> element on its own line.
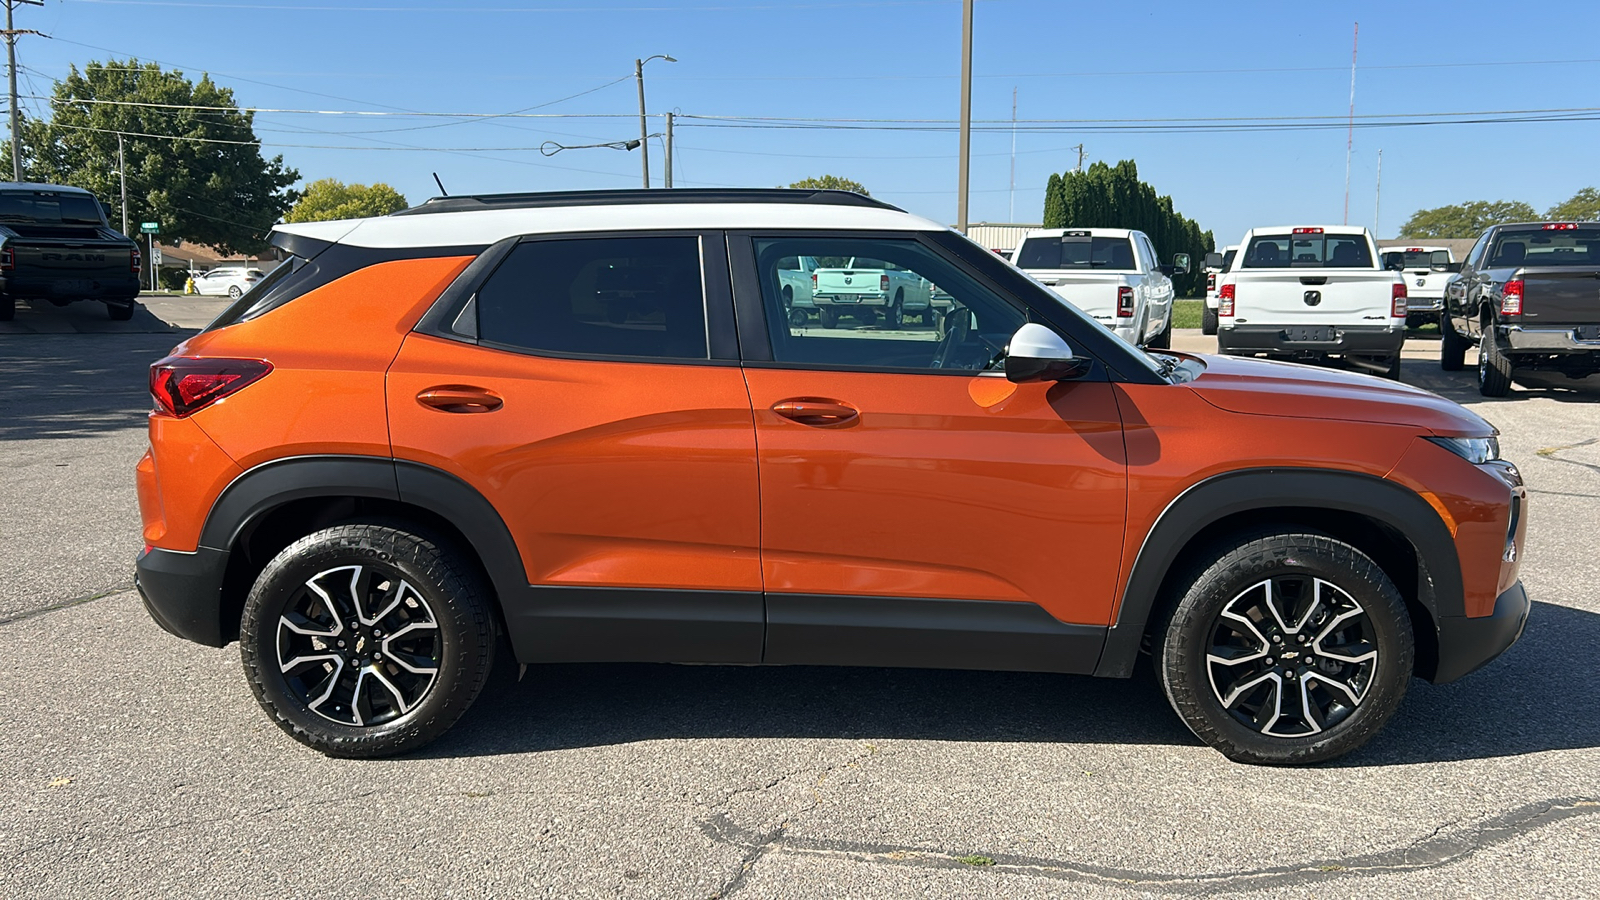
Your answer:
<point x="632" y="196"/>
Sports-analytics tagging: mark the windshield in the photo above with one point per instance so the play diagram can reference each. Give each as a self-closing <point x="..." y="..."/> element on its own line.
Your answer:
<point x="49" y="208"/>
<point x="1308" y="250"/>
<point x="1541" y="247"/>
<point x="1076" y="251"/>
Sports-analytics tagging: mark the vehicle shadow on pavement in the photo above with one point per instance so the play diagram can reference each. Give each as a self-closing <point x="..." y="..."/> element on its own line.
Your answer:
<point x="574" y="706"/>
<point x="1462" y="387"/>
<point x="1532" y="699"/>
<point x="76" y="385"/>
<point x="1525" y="702"/>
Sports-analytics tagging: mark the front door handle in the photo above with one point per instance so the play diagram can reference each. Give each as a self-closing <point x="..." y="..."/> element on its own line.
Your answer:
<point x="460" y="398"/>
<point x="815" y="411"/>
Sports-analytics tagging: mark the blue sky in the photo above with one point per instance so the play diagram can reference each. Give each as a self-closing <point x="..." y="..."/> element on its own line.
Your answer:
<point x="890" y="59"/>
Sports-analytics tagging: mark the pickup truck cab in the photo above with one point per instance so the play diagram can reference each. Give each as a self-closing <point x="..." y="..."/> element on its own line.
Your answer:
<point x="1529" y="297"/>
<point x="56" y="245"/>
<point x="1208" y="316"/>
<point x="870" y="290"/>
<point x="1426" y="270"/>
<point x="1313" y="293"/>
<point x="1112" y="274"/>
<point x="794" y="278"/>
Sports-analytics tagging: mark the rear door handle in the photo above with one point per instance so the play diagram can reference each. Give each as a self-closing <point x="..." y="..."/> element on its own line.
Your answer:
<point x="460" y="398"/>
<point x="816" y="411"/>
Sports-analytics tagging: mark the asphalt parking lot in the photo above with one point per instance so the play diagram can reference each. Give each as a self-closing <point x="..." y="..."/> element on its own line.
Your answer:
<point x="138" y="765"/>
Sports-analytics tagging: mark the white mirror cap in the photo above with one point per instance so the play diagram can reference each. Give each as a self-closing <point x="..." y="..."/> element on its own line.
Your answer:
<point x="1034" y="341"/>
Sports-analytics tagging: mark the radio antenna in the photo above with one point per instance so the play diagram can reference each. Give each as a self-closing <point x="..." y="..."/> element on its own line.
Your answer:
<point x="442" y="191"/>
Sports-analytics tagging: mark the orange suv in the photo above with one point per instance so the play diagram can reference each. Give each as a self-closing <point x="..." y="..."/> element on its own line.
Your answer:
<point x="585" y="427"/>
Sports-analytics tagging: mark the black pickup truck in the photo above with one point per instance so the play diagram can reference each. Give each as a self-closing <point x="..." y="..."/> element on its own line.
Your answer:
<point x="1529" y="297"/>
<point x="56" y="245"/>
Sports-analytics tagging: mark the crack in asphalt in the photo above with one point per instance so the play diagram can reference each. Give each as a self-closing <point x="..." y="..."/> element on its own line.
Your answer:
<point x="25" y="614"/>
<point x="1431" y="851"/>
<point x="1550" y="453"/>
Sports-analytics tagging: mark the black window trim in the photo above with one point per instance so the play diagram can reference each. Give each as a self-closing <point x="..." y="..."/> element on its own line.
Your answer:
<point x="721" y="336"/>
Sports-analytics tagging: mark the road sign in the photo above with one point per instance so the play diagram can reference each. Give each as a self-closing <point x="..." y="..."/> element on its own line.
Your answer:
<point x="149" y="227"/>
<point x="155" y="256"/>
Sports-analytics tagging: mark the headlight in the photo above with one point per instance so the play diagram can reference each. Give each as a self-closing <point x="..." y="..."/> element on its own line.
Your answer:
<point x="1474" y="450"/>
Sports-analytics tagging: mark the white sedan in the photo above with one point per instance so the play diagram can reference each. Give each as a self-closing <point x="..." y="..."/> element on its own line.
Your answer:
<point x="230" y="282"/>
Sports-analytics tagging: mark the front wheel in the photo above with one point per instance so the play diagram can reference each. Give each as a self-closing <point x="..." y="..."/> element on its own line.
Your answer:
<point x="1288" y="648"/>
<point x="1494" y="367"/>
<point x="364" y="640"/>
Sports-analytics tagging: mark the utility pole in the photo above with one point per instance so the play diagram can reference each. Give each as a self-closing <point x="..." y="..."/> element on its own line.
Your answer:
<point x="644" y="132"/>
<point x="1012" y="216"/>
<point x="122" y="172"/>
<point x="1377" y="204"/>
<point x="668" y="152"/>
<point x="1350" y="133"/>
<point x="11" y="33"/>
<point x="1078" y="148"/>
<point x="966" y="115"/>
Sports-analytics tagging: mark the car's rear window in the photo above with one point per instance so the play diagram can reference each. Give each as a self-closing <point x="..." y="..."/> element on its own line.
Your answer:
<point x="48" y="208"/>
<point x="1416" y="258"/>
<point x="1227" y="260"/>
<point x="1307" y="250"/>
<point x="1541" y="247"/>
<point x="1076" y="251"/>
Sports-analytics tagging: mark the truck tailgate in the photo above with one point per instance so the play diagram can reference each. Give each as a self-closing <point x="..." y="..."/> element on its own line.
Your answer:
<point x="848" y="282"/>
<point x="1314" y="296"/>
<point x="72" y="260"/>
<point x="1094" y="294"/>
<point x="1561" y="295"/>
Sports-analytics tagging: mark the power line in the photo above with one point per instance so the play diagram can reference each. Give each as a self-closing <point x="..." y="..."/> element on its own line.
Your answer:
<point x="743" y="7"/>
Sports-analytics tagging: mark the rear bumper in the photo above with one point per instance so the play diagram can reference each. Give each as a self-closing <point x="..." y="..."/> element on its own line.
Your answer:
<point x="1468" y="644"/>
<point x="1377" y="340"/>
<point x="183" y="592"/>
<point x="1548" y="340"/>
<point x="850" y="301"/>
<point x="88" y="288"/>
<point x="1415" y="304"/>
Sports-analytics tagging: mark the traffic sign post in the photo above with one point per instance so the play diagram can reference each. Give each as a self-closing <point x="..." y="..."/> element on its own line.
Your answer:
<point x="150" y="227"/>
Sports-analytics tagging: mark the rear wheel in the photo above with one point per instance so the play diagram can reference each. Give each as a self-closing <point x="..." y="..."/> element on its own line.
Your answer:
<point x="234" y="292"/>
<point x="895" y="316"/>
<point x="1208" y="320"/>
<point x="1494" y="367"/>
<point x="1163" y="341"/>
<point x="828" y="317"/>
<point x="120" y="312"/>
<point x="1393" y="372"/>
<point x="365" y="640"/>
<point x="1452" y="346"/>
<point x="1288" y="648"/>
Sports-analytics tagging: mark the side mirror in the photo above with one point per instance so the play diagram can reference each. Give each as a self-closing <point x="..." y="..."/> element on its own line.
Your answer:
<point x="1448" y="267"/>
<point x="1213" y="260"/>
<point x="1180" y="263"/>
<point x="1038" y="354"/>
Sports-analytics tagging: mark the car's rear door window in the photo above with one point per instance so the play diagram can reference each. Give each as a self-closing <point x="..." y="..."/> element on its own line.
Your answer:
<point x="628" y="297"/>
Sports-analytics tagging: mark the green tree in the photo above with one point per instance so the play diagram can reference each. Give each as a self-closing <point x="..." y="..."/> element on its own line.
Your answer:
<point x="1105" y="196"/>
<point x="831" y="183"/>
<point x="330" y="198"/>
<point x="1584" y="206"/>
<point x="1464" y="220"/>
<point x="194" y="163"/>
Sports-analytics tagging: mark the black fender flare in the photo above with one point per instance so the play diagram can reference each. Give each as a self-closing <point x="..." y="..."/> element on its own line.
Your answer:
<point x="270" y="485"/>
<point x="1207" y="502"/>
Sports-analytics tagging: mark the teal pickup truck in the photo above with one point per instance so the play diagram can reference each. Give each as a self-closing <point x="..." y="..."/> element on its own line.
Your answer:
<point x="870" y="290"/>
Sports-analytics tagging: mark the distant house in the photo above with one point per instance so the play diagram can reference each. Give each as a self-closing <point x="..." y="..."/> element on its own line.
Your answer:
<point x="201" y="258"/>
<point x="1001" y="237"/>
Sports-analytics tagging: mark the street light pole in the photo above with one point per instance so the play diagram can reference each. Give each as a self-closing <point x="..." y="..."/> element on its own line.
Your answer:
<point x="644" y="131"/>
<point x="966" y="115"/>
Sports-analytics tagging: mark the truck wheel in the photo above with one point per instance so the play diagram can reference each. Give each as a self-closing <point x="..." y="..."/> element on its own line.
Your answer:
<point x="1452" y="346"/>
<point x="895" y="315"/>
<point x="1208" y="320"/>
<point x="8" y="308"/>
<point x="364" y="640"/>
<point x="1393" y="372"/>
<point x="1288" y="648"/>
<point x="1494" y="367"/>
<point x="1163" y="341"/>
<point x="797" y="318"/>
<point x="120" y="312"/>
<point x="829" y="317"/>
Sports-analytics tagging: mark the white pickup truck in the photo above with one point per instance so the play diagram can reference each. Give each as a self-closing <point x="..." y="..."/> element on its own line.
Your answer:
<point x="867" y="289"/>
<point x="1208" y="316"/>
<point x="1427" y="271"/>
<point x="1311" y="293"/>
<point x="1110" y="273"/>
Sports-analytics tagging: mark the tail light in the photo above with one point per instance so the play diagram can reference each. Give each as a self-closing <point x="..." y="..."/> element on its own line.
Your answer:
<point x="813" y="281"/>
<point x="1511" y="298"/>
<point x="1225" y="300"/>
<point x="883" y="283"/>
<point x="8" y="259"/>
<point x="136" y="260"/>
<point x="1308" y="231"/>
<point x="1211" y="281"/>
<point x="183" y="384"/>
<point x="1124" y="302"/>
<point x="1561" y="226"/>
<point x="1397" y="300"/>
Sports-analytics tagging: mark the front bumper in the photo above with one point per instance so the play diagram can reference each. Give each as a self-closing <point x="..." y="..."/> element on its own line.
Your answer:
<point x="1375" y="340"/>
<point x="1468" y="644"/>
<point x="1548" y="340"/>
<point x="183" y="593"/>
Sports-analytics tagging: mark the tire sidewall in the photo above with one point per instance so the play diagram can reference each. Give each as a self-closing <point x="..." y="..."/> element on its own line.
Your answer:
<point x="1183" y="667"/>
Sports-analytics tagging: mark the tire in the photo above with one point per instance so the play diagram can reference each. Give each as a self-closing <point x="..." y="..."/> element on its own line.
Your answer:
<point x="828" y="317"/>
<point x="1237" y="607"/>
<point x="8" y="308"/>
<point x="1208" y="320"/>
<point x="1393" y="372"/>
<point x="301" y="604"/>
<point x="1452" y="346"/>
<point x="1494" y="367"/>
<point x="120" y="312"/>
<point x="895" y="315"/>
<point x="797" y="318"/>
<point x="1163" y="341"/>
<point x="233" y="292"/>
